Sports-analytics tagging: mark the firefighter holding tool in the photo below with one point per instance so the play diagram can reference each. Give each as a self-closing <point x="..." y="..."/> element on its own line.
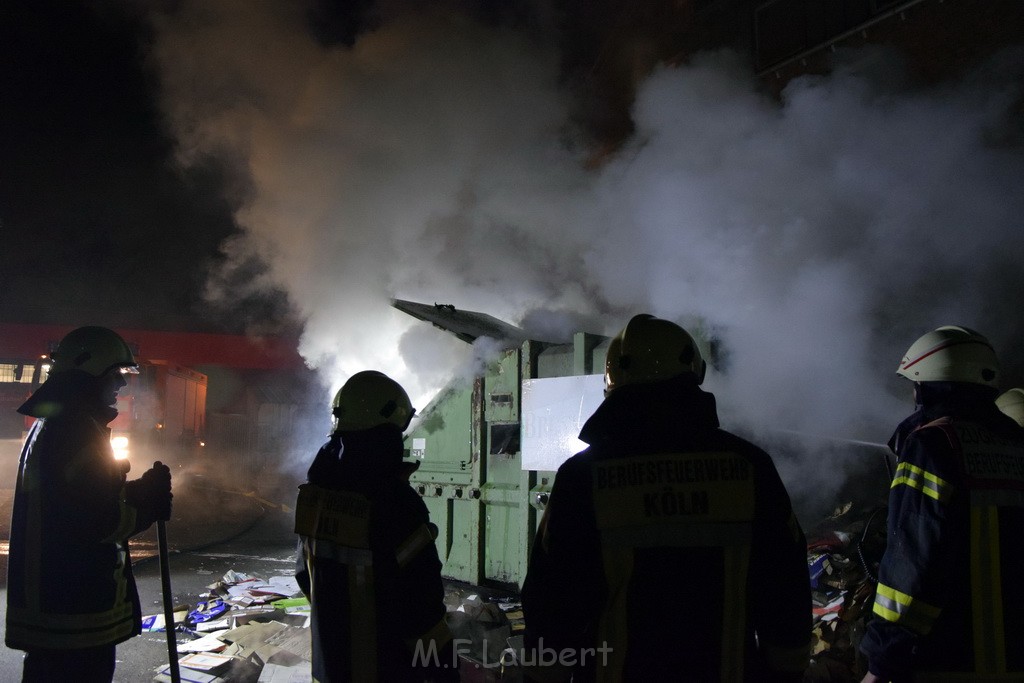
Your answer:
<point x="71" y="595"/>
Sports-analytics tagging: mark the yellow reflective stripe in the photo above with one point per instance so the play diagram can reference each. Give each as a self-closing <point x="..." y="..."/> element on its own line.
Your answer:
<point x="417" y="541"/>
<point x="33" y="554"/>
<point x="342" y="517"/>
<point x="673" y="487"/>
<point x="62" y="631"/>
<point x="363" y="623"/>
<point x="922" y="480"/>
<point x="903" y="609"/>
<point x="126" y="525"/>
<point x="986" y="592"/>
<point x="70" y="622"/>
<point x="734" y="611"/>
<point x="325" y="550"/>
<point x="612" y="628"/>
<point x="121" y="594"/>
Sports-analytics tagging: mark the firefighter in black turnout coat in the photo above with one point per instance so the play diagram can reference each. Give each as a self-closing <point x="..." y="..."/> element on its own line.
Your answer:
<point x="368" y="563"/>
<point x="71" y="596"/>
<point x="669" y="549"/>
<point x="950" y="596"/>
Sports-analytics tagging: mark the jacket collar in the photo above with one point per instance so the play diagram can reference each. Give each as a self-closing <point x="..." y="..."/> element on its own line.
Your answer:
<point x="945" y="399"/>
<point x="69" y="393"/>
<point x="650" y="411"/>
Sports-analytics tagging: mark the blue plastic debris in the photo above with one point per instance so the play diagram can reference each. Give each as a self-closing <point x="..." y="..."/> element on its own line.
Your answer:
<point x="818" y="566"/>
<point x="205" y="611"/>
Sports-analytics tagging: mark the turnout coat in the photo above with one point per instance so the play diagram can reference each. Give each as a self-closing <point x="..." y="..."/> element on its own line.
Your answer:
<point x="369" y="566"/>
<point x="69" y="578"/>
<point x="672" y="545"/>
<point x="949" y="594"/>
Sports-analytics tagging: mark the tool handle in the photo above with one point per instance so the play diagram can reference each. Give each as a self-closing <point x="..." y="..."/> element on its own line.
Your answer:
<point x="165" y="581"/>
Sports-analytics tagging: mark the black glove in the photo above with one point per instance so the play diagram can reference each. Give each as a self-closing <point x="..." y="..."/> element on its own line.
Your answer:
<point x="151" y="493"/>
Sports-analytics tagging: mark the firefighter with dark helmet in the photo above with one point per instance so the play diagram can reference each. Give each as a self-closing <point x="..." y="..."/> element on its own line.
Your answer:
<point x="949" y="593"/>
<point x="668" y="549"/>
<point x="71" y="595"/>
<point x="367" y="560"/>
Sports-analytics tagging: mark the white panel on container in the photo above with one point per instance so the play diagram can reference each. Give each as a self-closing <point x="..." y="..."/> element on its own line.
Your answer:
<point x="419" y="448"/>
<point x="553" y="412"/>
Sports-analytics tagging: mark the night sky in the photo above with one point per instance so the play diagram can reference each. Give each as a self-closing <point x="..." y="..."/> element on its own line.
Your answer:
<point x="98" y="222"/>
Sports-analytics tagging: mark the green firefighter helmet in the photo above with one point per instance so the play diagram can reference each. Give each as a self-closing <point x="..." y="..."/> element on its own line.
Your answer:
<point x="368" y="399"/>
<point x="951" y="354"/>
<point x="650" y="349"/>
<point x="94" y="350"/>
<point x="1012" y="403"/>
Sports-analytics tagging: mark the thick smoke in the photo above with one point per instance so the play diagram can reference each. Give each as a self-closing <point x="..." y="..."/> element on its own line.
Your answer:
<point x="816" y="237"/>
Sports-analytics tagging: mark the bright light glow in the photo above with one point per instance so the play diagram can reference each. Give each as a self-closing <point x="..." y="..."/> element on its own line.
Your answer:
<point x="120" y="446"/>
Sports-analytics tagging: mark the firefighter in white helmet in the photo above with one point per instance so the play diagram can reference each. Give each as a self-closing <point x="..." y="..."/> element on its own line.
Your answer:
<point x="669" y="549"/>
<point x="949" y="590"/>
<point x="71" y="596"/>
<point x="368" y="563"/>
<point x="1012" y="403"/>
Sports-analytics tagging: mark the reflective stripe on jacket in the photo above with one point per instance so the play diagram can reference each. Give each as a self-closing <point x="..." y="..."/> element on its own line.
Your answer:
<point x="949" y="590"/>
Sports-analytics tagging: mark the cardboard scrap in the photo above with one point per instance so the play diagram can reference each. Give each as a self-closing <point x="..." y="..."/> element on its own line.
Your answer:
<point x="163" y="675"/>
<point x="275" y="673"/>
<point x="237" y="632"/>
<point x="211" y="642"/>
<point x="294" y="640"/>
<point x="204" y="661"/>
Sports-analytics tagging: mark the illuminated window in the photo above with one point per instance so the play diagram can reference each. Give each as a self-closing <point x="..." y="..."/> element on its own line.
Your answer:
<point x="9" y="372"/>
<point x="16" y="372"/>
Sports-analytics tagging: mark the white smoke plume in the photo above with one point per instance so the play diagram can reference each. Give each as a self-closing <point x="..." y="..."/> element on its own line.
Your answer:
<point x="817" y="236"/>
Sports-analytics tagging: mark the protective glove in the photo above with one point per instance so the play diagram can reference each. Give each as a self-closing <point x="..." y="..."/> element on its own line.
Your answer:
<point x="151" y="493"/>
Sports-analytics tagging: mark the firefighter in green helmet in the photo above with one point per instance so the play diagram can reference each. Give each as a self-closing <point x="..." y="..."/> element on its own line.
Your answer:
<point x="668" y="549"/>
<point x="949" y="592"/>
<point x="71" y="596"/>
<point x="367" y="559"/>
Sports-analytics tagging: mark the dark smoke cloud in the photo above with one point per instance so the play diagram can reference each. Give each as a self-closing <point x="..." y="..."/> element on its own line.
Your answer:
<point x="432" y="160"/>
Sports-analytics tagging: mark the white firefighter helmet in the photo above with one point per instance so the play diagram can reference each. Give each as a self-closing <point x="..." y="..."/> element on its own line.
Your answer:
<point x="94" y="350"/>
<point x="951" y="354"/>
<point x="368" y="399"/>
<point x="1012" y="403"/>
<point x="650" y="349"/>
